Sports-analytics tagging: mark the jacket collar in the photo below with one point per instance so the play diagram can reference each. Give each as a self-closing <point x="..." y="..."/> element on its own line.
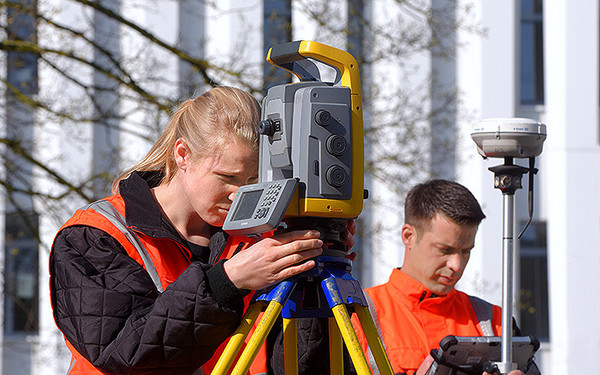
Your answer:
<point x="143" y="213"/>
<point x="141" y="209"/>
<point x="412" y="289"/>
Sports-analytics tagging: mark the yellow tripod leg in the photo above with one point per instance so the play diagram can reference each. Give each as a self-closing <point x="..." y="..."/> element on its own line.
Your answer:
<point x="258" y="337"/>
<point x="237" y="339"/>
<point x="290" y="347"/>
<point x="373" y="339"/>
<point x="336" y="367"/>
<point x="349" y="335"/>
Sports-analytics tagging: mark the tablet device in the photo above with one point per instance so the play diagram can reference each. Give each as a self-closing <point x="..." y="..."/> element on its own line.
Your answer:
<point x="472" y="355"/>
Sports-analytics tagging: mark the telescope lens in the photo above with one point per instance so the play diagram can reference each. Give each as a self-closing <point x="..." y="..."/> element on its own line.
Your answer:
<point x="336" y="145"/>
<point x="336" y="176"/>
<point x="323" y="117"/>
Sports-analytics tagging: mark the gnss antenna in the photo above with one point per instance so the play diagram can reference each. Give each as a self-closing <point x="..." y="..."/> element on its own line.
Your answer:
<point x="509" y="138"/>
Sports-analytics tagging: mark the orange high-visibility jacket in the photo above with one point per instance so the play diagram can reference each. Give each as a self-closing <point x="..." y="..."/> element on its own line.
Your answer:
<point x="411" y="320"/>
<point x="164" y="260"/>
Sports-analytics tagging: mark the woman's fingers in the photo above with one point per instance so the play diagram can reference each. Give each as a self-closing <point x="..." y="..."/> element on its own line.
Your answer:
<point x="297" y="269"/>
<point x="294" y="235"/>
<point x="296" y="257"/>
<point x="274" y="259"/>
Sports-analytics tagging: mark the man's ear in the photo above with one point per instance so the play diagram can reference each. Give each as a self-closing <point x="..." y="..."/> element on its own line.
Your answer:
<point x="409" y="236"/>
<point x="182" y="154"/>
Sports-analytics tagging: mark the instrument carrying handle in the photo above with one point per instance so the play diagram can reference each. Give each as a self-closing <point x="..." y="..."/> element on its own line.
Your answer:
<point x="292" y="56"/>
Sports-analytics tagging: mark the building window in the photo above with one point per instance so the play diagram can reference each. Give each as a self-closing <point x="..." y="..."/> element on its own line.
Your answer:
<point x="277" y="28"/>
<point x="21" y="275"/>
<point x="532" y="52"/>
<point x="534" y="281"/>
<point x="21" y="281"/>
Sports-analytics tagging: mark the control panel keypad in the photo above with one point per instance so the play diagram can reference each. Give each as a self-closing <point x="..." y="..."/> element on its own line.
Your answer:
<point x="273" y="190"/>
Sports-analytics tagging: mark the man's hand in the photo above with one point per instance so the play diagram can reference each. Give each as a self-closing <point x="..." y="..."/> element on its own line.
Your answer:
<point x="425" y="365"/>
<point x="349" y="238"/>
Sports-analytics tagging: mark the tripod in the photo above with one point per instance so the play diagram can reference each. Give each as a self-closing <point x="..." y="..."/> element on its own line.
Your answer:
<point x="507" y="178"/>
<point x="327" y="290"/>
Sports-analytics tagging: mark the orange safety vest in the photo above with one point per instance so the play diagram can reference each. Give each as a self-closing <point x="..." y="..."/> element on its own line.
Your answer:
<point x="411" y="320"/>
<point x="164" y="261"/>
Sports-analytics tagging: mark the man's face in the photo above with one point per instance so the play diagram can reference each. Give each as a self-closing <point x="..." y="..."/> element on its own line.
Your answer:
<point x="437" y="254"/>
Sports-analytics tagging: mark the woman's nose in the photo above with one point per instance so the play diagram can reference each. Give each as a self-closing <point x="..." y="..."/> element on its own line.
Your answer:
<point x="232" y="194"/>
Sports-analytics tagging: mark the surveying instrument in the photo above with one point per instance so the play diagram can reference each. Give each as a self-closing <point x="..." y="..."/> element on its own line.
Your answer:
<point x="311" y="174"/>
<point x="509" y="138"/>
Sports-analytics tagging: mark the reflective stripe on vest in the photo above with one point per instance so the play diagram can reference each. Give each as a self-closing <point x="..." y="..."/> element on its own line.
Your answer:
<point x="484" y="312"/>
<point x="107" y="210"/>
<point x="373" y="312"/>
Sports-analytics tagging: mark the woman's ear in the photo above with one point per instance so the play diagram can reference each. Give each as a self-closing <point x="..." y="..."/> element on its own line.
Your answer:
<point x="182" y="154"/>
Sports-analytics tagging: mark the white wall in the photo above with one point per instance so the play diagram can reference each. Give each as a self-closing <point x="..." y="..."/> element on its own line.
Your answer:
<point x="573" y="168"/>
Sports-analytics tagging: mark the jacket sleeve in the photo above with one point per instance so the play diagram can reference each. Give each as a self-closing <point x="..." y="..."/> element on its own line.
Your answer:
<point x="107" y="307"/>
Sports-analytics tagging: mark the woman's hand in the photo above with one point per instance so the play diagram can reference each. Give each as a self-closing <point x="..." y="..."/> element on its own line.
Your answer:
<point x="274" y="259"/>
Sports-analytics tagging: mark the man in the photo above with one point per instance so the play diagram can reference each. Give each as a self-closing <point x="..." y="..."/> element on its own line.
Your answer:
<point x="419" y="305"/>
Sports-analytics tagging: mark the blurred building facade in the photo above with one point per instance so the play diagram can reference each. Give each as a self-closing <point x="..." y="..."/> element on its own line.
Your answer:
<point x="537" y="59"/>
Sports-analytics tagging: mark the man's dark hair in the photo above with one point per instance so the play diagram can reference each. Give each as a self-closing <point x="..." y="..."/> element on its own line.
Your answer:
<point x="445" y="197"/>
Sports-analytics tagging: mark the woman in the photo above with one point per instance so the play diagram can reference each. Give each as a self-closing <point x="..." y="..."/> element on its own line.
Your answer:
<point x="140" y="281"/>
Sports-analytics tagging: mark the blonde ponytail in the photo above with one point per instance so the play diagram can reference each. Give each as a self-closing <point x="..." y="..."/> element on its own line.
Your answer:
<point x="205" y="123"/>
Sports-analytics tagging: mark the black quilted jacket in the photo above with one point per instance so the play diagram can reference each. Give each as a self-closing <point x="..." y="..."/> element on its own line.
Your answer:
<point x="108" y="308"/>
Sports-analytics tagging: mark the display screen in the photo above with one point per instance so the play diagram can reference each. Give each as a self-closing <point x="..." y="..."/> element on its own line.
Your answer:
<point x="247" y="205"/>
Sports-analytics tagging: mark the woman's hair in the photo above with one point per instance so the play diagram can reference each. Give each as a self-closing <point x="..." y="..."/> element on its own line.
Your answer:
<point x="444" y="197"/>
<point x="204" y="123"/>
